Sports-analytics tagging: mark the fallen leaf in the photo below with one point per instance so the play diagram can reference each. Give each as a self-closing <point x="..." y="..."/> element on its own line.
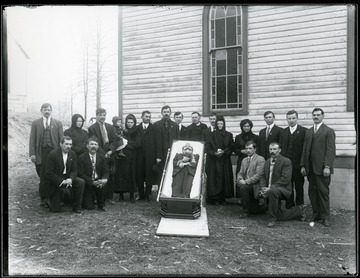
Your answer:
<point x="177" y="262"/>
<point x="340" y="259"/>
<point x="103" y="243"/>
<point x="261" y="249"/>
<point x="340" y="265"/>
<point x="32" y="246"/>
<point x="19" y="220"/>
<point x="219" y="266"/>
<point x="197" y="246"/>
<point x="51" y="251"/>
<point x="124" y="268"/>
<point x="38" y="248"/>
<point x="52" y="268"/>
<point x="145" y="234"/>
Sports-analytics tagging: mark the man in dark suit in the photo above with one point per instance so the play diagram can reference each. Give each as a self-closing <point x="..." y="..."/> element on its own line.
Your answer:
<point x="195" y="130"/>
<point x="269" y="134"/>
<point x="277" y="187"/>
<point x="317" y="163"/>
<point x="148" y="156"/>
<point x="292" y="142"/>
<point x="106" y="135"/>
<point x="178" y="117"/>
<point x="211" y="128"/>
<point x="250" y="181"/>
<point x="62" y="183"/>
<point x="45" y="136"/>
<point x="94" y="170"/>
<point x="169" y="131"/>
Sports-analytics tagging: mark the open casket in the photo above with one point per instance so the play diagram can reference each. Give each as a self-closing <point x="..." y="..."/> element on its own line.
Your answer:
<point x="183" y="207"/>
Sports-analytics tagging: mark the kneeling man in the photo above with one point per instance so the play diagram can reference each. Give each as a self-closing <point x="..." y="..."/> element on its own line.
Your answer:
<point x="278" y="171"/>
<point x="250" y="180"/>
<point x="61" y="181"/>
<point x="94" y="169"/>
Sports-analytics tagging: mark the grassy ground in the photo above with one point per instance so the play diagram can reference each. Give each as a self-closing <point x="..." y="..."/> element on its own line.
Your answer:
<point x="123" y="240"/>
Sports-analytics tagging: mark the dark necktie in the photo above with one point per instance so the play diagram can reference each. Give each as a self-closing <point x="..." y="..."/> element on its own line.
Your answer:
<point x="166" y="123"/>
<point x="93" y="167"/>
<point x="47" y="123"/>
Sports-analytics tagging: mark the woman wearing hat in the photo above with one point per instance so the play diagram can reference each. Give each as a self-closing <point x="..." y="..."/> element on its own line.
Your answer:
<point x="219" y="149"/>
<point x="125" y="176"/>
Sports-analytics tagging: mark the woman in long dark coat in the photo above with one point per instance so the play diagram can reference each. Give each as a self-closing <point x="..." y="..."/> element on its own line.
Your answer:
<point x="240" y="140"/>
<point x="125" y="176"/>
<point x="78" y="135"/>
<point x="219" y="149"/>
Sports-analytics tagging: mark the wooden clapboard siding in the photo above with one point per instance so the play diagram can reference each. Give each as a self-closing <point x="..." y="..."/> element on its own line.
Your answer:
<point x="297" y="59"/>
<point x="162" y="59"/>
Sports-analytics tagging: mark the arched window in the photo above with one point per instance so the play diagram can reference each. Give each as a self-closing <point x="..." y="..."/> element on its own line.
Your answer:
<point x="225" y="59"/>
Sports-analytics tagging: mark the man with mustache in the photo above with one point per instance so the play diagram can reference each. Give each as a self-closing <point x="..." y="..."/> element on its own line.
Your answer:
<point x="62" y="181"/>
<point x="45" y="136"/>
<point x="169" y="131"/>
<point x="317" y="164"/>
<point x="94" y="170"/>
<point x="278" y="171"/>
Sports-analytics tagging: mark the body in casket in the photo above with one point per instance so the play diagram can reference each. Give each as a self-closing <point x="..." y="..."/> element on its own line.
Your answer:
<point x="181" y="188"/>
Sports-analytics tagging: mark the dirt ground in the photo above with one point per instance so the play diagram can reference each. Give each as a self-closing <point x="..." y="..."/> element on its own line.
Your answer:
<point x="123" y="240"/>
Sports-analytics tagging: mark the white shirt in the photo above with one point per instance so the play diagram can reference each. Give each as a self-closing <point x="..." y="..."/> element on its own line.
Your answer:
<point x="145" y="125"/>
<point x="212" y="128"/>
<point x="292" y="129"/>
<point x="318" y="126"/>
<point x="179" y="126"/>
<point x="271" y="126"/>
<point x="91" y="156"/>
<point x="65" y="157"/>
<point x="44" y="121"/>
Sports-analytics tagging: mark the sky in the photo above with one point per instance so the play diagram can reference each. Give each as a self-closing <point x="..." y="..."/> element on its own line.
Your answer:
<point x="53" y="37"/>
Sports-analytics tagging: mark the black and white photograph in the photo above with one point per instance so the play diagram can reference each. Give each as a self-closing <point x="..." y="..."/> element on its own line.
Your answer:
<point x="180" y="139"/>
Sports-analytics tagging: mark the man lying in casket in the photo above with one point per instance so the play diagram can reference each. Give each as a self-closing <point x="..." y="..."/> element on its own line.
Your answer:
<point x="185" y="165"/>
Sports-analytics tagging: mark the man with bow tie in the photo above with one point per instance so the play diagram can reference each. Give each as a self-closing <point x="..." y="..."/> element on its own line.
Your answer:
<point x="250" y="180"/>
<point x="271" y="133"/>
<point x="62" y="181"/>
<point x="169" y="131"/>
<point x="45" y="136"/>
<point x="317" y="164"/>
<point x="278" y="171"/>
<point x="95" y="172"/>
<point x="292" y="142"/>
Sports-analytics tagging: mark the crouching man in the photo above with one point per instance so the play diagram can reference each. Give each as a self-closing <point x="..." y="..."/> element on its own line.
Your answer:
<point x="61" y="181"/>
<point x="278" y="171"/>
<point x="94" y="169"/>
<point x="250" y="180"/>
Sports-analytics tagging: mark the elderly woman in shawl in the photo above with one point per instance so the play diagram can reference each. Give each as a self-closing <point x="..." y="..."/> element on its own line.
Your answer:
<point x="219" y="148"/>
<point x="126" y="164"/>
<point x="185" y="165"/>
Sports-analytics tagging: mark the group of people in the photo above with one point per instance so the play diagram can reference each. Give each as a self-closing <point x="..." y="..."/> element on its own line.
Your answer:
<point x="90" y="166"/>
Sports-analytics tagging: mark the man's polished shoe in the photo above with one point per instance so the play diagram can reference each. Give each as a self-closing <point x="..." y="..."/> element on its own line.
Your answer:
<point x="314" y="218"/>
<point x="101" y="209"/>
<point x="326" y="223"/>
<point x="271" y="224"/>
<point x="302" y="213"/>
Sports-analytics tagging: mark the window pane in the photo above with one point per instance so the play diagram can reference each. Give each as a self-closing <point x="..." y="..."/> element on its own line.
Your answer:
<point x="220" y="12"/>
<point x="221" y="106"/>
<point x="230" y="31"/>
<point x="232" y="92"/>
<point x="212" y="12"/>
<point x="221" y="90"/>
<point x="220" y="57"/>
<point x="232" y="105"/>
<point x="240" y="79"/>
<point x="220" y="32"/>
<point x="231" y="61"/>
<point x="231" y="10"/>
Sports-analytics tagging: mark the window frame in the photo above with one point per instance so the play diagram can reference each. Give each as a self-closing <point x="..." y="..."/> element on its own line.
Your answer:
<point x="207" y="64"/>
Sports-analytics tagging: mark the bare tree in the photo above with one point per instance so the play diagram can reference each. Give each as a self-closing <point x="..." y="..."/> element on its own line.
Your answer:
<point x="85" y="76"/>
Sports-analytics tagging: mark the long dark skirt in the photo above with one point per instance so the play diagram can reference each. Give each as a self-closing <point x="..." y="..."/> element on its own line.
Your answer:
<point x="124" y="178"/>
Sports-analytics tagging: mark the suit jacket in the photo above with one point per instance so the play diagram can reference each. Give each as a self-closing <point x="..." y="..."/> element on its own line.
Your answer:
<point x="297" y="146"/>
<point x="167" y="136"/>
<point x="254" y="173"/>
<point x="85" y="167"/>
<point x="263" y="146"/>
<point x="182" y="132"/>
<point x="206" y="134"/>
<point x="55" y="168"/>
<point x="94" y="130"/>
<point x="194" y="132"/>
<point x="281" y="175"/>
<point x="320" y="148"/>
<point x="36" y="136"/>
